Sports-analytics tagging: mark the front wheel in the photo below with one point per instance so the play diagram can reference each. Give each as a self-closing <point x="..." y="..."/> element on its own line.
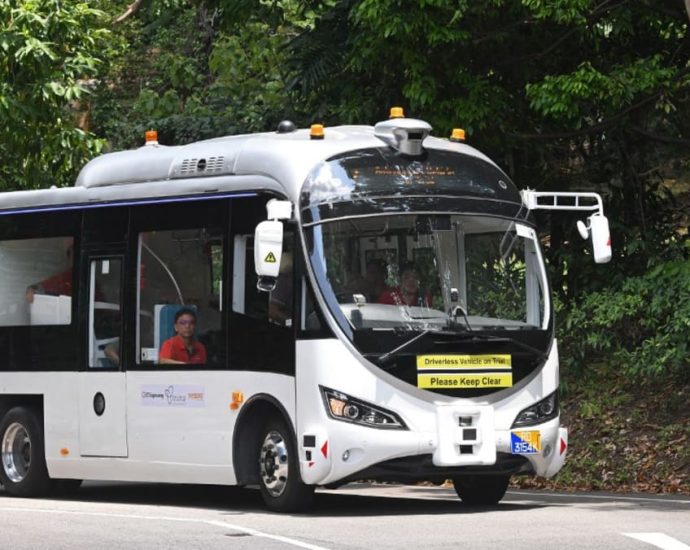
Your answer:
<point x="280" y="482"/>
<point x="24" y="472"/>
<point x="481" y="490"/>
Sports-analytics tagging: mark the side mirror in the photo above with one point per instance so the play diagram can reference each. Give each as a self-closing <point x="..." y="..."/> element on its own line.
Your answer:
<point x="598" y="228"/>
<point x="268" y="248"/>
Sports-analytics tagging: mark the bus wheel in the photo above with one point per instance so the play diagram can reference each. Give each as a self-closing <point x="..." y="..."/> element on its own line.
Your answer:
<point x="280" y="483"/>
<point x="479" y="490"/>
<point x="24" y="472"/>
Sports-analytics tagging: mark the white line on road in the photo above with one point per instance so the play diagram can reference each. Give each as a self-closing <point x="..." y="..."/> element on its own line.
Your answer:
<point x="660" y="540"/>
<point x="602" y="497"/>
<point x="222" y="524"/>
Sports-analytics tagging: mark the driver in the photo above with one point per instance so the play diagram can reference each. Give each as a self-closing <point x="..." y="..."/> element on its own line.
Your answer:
<point x="409" y="291"/>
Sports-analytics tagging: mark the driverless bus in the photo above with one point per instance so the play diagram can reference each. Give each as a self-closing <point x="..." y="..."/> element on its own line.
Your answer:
<point x="350" y="303"/>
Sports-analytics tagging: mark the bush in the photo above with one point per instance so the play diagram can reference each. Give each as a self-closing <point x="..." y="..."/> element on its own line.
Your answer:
<point x="643" y="327"/>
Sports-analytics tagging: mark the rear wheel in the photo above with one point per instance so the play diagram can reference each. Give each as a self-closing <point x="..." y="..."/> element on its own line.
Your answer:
<point x="23" y="472"/>
<point x="481" y="490"/>
<point x="279" y="478"/>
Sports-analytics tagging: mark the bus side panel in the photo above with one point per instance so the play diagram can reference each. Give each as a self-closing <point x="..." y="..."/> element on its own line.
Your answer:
<point x="179" y="427"/>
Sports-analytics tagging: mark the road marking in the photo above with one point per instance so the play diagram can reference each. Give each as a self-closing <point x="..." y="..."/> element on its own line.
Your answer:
<point x="602" y="497"/>
<point x="224" y="525"/>
<point x="660" y="540"/>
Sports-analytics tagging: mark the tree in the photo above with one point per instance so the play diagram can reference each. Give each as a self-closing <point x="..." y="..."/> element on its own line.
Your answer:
<point x="574" y="94"/>
<point x="196" y="70"/>
<point x="51" y="52"/>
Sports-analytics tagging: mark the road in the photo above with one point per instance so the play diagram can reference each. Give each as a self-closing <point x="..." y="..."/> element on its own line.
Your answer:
<point x="357" y="516"/>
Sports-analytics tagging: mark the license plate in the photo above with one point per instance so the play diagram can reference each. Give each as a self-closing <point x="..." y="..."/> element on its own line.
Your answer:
<point x="525" y="442"/>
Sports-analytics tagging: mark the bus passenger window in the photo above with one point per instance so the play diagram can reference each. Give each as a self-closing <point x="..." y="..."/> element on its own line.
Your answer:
<point x="180" y="297"/>
<point x="104" y="312"/>
<point x="37" y="279"/>
<point x="280" y="298"/>
<point x="259" y="317"/>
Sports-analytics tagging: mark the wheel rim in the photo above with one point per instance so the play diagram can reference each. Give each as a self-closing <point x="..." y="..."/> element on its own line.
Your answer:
<point x="273" y="463"/>
<point x="16" y="452"/>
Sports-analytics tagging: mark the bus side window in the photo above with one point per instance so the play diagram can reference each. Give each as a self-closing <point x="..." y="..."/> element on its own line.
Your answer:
<point x="180" y="269"/>
<point x="259" y="317"/>
<point x="274" y="306"/>
<point x="104" y="312"/>
<point x="37" y="278"/>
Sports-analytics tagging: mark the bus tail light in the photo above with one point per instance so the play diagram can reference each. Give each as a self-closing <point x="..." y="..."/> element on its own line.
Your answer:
<point x="541" y="411"/>
<point x="340" y="406"/>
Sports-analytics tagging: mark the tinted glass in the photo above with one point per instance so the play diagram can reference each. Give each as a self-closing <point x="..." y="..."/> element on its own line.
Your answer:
<point x="36" y="283"/>
<point x="383" y="172"/>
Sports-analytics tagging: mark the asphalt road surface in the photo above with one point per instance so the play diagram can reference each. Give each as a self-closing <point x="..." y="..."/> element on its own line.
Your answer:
<point x="123" y="516"/>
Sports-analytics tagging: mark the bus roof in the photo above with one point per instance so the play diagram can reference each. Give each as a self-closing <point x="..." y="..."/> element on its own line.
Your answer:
<point x="270" y="161"/>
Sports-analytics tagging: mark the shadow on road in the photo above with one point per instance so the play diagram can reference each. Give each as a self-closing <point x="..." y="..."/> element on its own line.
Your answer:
<point x="238" y="501"/>
<point x="602" y="501"/>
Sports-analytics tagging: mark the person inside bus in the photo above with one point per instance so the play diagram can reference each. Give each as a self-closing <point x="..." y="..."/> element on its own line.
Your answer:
<point x="375" y="279"/>
<point x="55" y="285"/>
<point x="183" y="348"/>
<point x="112" y="353"/>
<point x="371" y="285"/>
<point x="409" y="291"/>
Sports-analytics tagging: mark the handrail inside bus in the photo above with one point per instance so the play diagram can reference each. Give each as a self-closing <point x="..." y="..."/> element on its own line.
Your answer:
<point x="167" y="270"/>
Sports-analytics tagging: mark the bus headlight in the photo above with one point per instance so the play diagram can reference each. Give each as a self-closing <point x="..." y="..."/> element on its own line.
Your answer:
<point x="541" y="411"/>
<point x="340" y="406"/>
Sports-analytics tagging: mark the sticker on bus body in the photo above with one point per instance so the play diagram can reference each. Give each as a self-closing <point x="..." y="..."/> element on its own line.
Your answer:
<point x="455" y="371"/>
<point x="525" y="442"/>
<point x="464" y="381"/>
<point x="464" y="362"/>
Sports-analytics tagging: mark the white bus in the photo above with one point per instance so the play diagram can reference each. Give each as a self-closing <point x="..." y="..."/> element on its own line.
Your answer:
<point x="350" y="303"/>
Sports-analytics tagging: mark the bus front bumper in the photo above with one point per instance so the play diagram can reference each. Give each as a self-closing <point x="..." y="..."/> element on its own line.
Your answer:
<point x="351" y="452"/>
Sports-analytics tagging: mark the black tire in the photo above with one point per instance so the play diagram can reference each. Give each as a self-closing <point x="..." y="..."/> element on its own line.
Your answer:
<point x="280" y="481"/>
<point x="481" y="490"/>
<point x="23" y="470"/>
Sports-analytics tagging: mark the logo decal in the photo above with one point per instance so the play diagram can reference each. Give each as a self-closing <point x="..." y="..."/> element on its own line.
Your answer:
<point x="172" y="396"/>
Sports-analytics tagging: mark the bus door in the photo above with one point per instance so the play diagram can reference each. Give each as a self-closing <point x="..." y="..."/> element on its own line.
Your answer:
<point x="102" y="385"/>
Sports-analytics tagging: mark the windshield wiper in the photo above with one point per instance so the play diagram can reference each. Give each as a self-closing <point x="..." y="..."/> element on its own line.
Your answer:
<point x="472" y="336"/>
<point x="383" y="359"/>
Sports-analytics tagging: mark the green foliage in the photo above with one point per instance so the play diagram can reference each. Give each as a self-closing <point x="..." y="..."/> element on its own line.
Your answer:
<point x="564" y="94"/>
<point x="50" y="49"/>
<point x="248" y="80"/>
<point x="642" y="327"/>
<point x="571" y="97"/>
<point x="192" y="74"/>
<point x="160" y="80"/>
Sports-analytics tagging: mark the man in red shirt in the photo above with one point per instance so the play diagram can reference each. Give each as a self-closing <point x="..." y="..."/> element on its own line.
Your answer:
<point x="408" y="293"/>
<point x="183" y="348"/>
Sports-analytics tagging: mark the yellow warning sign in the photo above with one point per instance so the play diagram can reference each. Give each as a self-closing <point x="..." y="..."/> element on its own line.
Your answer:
<point x="463" y="362"/>
<point x="465" y="381"/>
<point x="270" y="258"/>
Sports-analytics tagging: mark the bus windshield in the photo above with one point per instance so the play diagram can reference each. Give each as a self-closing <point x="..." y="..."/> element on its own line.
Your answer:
<point x="431" y="272"/>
